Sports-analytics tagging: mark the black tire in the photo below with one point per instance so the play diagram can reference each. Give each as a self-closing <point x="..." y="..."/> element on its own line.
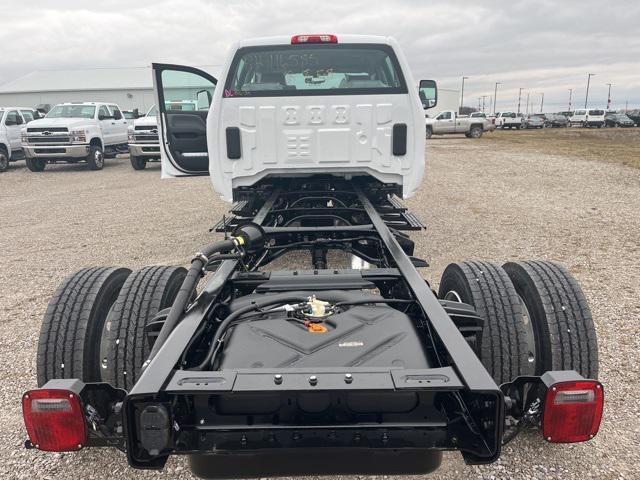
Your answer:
<point x="428" y="133"/>
<point x="36" y="164"/>
<point x="475" y="131"/>
<point x="4" y="160"/>
<point x="144" y="294"/>
<point x="138" y="163"/>
<point x="486" y="286"/>
<point x="73" y="324"/>
<point x="564" y="331"/>
<point x="95" y="159"/>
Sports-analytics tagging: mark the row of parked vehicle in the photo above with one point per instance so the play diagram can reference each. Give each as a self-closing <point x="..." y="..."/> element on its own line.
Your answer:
<point x="79" y="132"/>
<point x="583" y="118"/>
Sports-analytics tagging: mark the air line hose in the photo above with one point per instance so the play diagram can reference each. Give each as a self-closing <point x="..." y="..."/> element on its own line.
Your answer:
<point x="249" y="236"/>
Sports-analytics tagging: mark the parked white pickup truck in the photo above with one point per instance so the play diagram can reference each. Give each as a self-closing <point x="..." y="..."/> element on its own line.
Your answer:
<point x="11" y="121"/>
<point x="74" y="132"/>
<point x="143" y="140"/>
<point x="450" y="122"/>
<point x="508" y="120"/>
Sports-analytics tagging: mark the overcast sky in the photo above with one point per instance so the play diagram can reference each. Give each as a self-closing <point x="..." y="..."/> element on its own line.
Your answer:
<point x="542" y="46"/>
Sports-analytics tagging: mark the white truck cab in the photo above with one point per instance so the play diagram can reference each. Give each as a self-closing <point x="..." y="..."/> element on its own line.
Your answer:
<point x="12" y="119"/>
<point x="342" y="105"/>
<point x="73" y="132"/>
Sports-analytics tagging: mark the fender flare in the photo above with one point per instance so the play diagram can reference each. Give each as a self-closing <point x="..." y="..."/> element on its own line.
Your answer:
<point x="96" y="139"/>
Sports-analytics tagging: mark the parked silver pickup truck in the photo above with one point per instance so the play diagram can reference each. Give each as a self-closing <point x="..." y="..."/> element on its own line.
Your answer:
<point x="450" y="122"/>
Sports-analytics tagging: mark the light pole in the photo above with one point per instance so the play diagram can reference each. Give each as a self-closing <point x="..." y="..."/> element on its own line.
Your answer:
<point x="586" y="97"/>
<point x="541" y="101"/>
<point x="570" y="93"/>
<point x="483" y="98"/>
<point x="528" y="93"/>
<point x="462" y="94"/>
<point x="519" y="97"/>
<point x="609" y="98"/>
<point x="495" y="97"/>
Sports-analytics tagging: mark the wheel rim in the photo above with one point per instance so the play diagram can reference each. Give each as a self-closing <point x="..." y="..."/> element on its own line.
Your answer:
<point x="453" y="296"/>
<point x="104" y="341"/>
<point x="98" y="158"/>
<point x="532" y="358"/>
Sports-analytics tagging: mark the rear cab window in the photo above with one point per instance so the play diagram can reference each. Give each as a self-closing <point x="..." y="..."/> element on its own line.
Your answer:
<point x="314" y="69"/>
<point x="596" y="112"/>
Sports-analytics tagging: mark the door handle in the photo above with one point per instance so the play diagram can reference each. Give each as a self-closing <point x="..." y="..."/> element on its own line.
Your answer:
<point x="113" y="123"/>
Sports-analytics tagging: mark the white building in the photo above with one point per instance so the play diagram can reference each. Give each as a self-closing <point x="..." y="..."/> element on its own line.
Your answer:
<point x="130" y="87"/>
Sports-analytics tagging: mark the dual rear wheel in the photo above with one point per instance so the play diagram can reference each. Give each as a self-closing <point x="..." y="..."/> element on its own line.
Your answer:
<point x="94" y="326"/>
<point x="535" y="313"/>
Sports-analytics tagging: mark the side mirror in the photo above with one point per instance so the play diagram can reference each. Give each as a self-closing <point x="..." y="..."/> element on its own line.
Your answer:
<point x="428" y="93"/>
<point x="136" y="113"/>
<point x="203" y="99"/>
<point x="19" y="120"/>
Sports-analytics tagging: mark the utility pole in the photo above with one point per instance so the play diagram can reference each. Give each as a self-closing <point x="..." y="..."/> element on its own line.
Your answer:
<point x="519" y="97"/>
<point x="541" y="101"/>
<point x="586" y="97"/>
<point x="609" y="98"/>
<point x="528" y="93"/>
<point x="570" y="93"/>
<point x="495" y="97"/>
<point x="626" y="106"/>
<point x="483" y="98"/>
<point x="462" y="94"/>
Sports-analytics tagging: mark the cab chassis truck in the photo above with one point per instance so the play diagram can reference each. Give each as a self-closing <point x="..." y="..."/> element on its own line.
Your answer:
<point x="328" y="370"/>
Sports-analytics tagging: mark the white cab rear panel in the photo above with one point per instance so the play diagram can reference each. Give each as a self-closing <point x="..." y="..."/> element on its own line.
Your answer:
<point x="330" y="134"/>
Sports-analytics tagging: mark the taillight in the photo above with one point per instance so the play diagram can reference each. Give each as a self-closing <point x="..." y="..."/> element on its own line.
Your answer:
<point x="572" y="411"/>
<point x="54" y="419"/>
<point x="315" y="38"/>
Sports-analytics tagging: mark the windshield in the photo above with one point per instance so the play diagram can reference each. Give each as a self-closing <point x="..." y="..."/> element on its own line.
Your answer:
<point x="72" y="111"/>
<point x="596" y="112"/>
<point x="129" y="115"/>
<point x="295" y="70"/>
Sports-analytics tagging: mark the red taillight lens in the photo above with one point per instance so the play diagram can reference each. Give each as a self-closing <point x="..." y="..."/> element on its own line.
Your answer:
<point x="54" y="419"/>
<point x="315" y="38"/>
<point x="572" y="411"/>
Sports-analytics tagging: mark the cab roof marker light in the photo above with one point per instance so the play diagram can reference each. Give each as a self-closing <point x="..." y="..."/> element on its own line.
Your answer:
<point x="314" y="38"/>
<point x="572" y="411"/>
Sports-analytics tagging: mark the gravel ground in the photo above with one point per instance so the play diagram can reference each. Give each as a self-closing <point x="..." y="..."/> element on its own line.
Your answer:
<point x="477" y="203"/>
